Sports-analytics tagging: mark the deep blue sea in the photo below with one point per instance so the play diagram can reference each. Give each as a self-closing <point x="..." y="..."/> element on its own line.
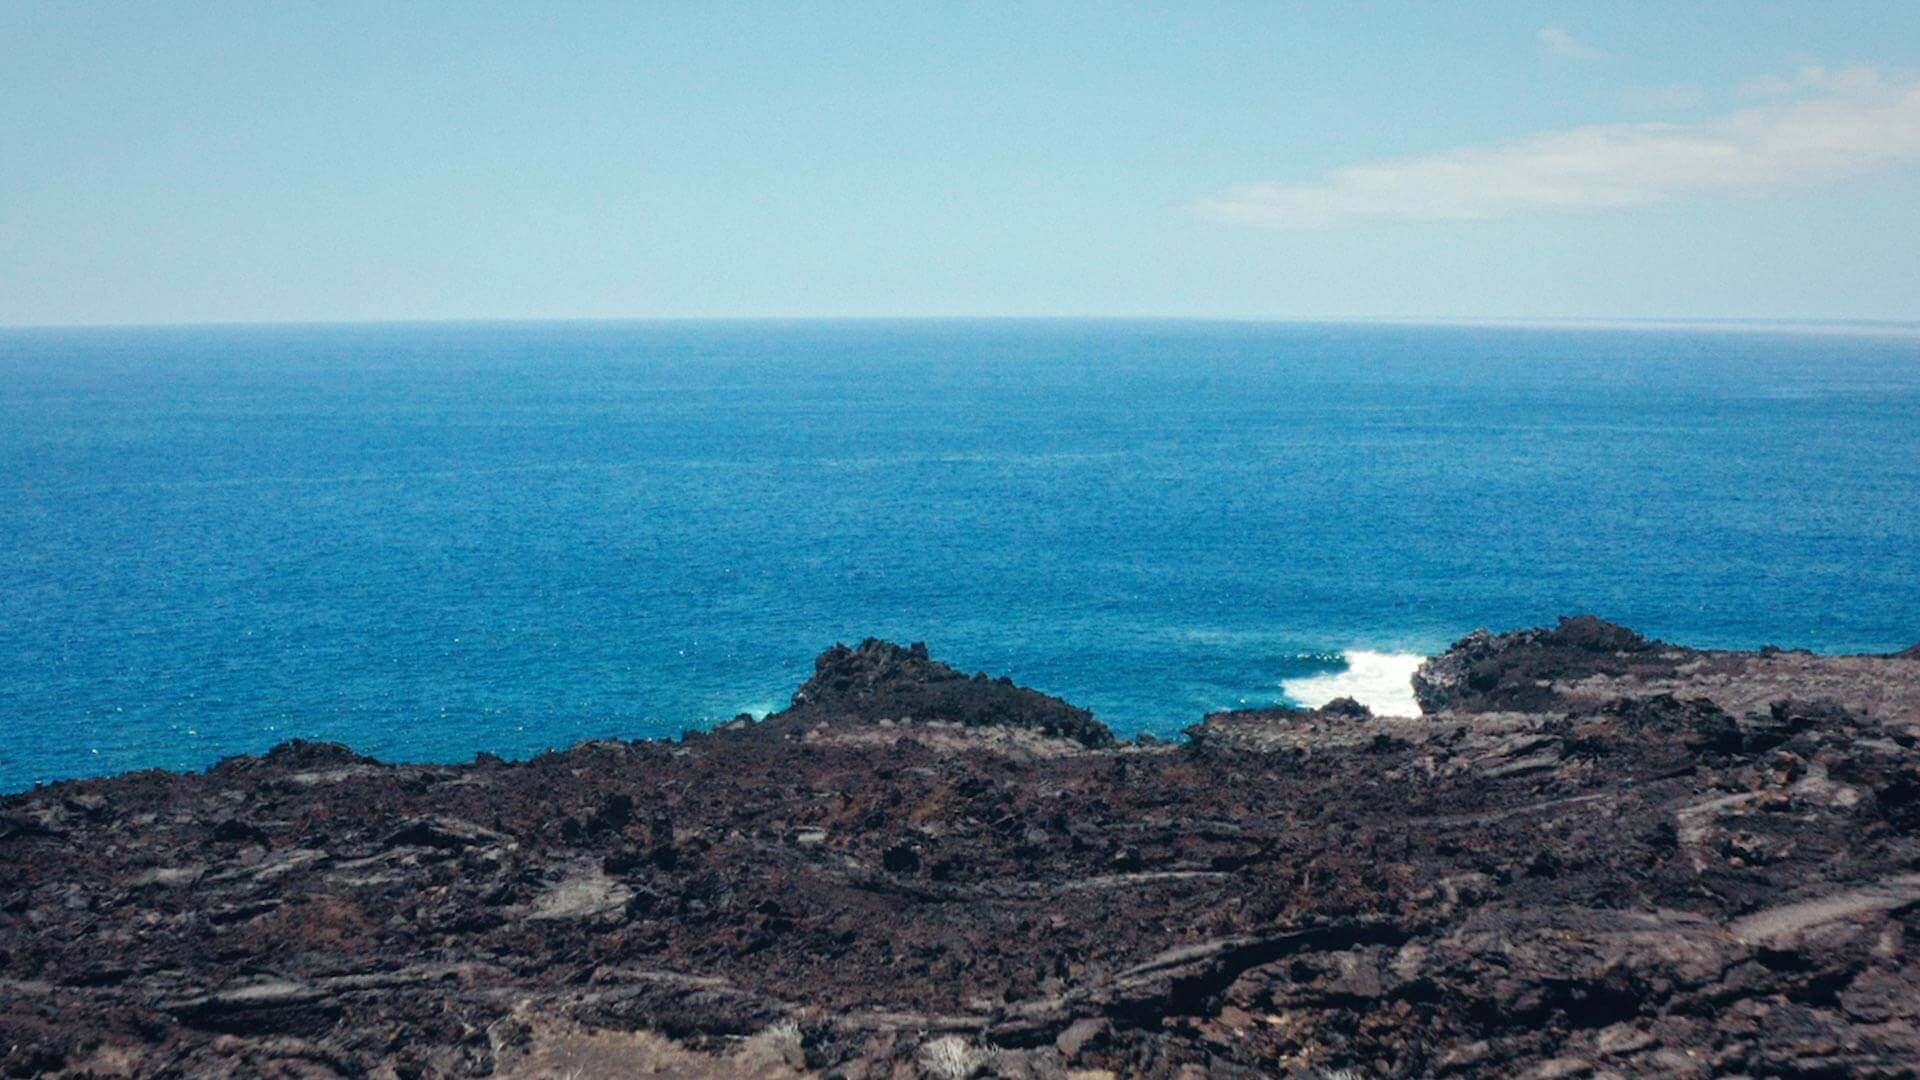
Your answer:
<point x="428" y="541"/>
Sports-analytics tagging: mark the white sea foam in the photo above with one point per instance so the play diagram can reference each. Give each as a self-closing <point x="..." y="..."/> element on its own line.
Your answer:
<point x="1381" y="681"/>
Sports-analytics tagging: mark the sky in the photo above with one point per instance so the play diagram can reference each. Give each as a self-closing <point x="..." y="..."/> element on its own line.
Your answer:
<point x="209" y="162"/>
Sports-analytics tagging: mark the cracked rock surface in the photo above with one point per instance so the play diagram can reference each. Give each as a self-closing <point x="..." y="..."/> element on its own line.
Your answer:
<point x="1593" y="855"/>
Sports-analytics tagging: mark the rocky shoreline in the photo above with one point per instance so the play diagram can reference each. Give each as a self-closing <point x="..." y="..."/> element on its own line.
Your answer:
<point x="1594" y="854"/>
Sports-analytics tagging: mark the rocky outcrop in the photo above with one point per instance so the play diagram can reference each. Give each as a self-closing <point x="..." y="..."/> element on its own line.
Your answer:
<point x="1585" y="662"/>
<point x="1607" y="856"/>
<point x="1486" y="672"/>
<point x="881" y="680"/>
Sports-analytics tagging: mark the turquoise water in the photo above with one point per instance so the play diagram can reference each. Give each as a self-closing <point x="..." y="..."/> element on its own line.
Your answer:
<point x="428" y="541"/>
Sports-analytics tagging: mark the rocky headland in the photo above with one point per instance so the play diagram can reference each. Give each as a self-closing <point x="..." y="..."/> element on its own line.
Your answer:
<point x="1592" y="855"/>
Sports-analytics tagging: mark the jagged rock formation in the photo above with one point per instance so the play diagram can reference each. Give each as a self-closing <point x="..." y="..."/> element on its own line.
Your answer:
<point x="1595" y="855"/>
<point x="1516" y="669"/>
<point x="880" y="680"/>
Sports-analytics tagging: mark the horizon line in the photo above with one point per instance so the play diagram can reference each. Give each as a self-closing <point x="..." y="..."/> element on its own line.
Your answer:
<point x="1885" y="327"/>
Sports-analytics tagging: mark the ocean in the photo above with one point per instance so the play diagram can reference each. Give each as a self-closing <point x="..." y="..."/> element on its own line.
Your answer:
<point x="429" y="541"/>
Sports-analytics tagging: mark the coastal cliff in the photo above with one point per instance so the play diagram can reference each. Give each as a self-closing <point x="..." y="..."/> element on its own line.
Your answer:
<point x="1593" y="854"/>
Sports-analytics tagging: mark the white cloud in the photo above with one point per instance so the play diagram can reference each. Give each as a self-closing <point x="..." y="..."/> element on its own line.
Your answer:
<point x="1849" y="126"/>
<point x="1854" y="79"/>
<point x="1561" y="43"/>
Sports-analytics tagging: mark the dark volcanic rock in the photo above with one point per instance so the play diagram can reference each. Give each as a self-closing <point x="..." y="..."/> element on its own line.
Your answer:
<point x="298" y="754"/>
<point x="1345" y="706"/>
<point x="1594" y="855"/>
<point x="441" y="832"/>
<point x="883" y="680"/>
<point x="1488" y="671"/>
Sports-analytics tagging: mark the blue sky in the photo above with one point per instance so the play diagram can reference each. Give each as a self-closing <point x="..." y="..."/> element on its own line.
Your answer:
<point x="317" y="162"/>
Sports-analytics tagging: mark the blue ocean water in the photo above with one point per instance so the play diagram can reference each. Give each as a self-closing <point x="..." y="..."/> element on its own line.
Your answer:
<point x="428" y="541"/>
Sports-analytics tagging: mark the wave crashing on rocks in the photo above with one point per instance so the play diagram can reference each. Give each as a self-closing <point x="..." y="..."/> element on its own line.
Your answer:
<point x="1381" y="681"/>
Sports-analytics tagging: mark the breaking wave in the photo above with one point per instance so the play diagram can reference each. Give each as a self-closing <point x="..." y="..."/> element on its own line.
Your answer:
<point x="1381" y="681"/>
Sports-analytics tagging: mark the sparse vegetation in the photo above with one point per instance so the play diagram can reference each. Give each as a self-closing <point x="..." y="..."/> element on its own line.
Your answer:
<point x="949" y="1057"/>
<point x="781" y="1044"/>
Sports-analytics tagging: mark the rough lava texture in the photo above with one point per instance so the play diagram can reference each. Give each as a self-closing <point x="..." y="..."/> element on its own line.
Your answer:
<point x="1487" y="671"/>
<point x="881" y="680"/>
<point x="1595" y="855"/>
